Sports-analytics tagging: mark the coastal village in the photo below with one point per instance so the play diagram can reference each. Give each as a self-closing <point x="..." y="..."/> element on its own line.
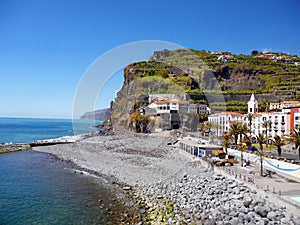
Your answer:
<point x="257" y="152"/>
<point x="179" y="159"/>
<point x="279" y="119"/>
<point x="150" y="112"/>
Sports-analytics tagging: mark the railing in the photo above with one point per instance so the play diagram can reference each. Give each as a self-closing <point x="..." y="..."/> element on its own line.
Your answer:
<point x="251" y="180"/>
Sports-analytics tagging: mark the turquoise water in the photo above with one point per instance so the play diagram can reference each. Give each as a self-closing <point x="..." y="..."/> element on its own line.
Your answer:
<point x="19" y="130"/>
<point x="297" y="199"/>
<point x="36" y="189"/>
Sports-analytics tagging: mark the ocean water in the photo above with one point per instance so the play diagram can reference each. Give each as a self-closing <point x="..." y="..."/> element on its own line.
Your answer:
<point x="20" y="130"/>
<point x="36" y="189"/>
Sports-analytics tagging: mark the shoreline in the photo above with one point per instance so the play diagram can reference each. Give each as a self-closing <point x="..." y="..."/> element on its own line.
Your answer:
<point x="23" y="146"/>
<point x="162" y="183"/>
<point x="6" y="148"/>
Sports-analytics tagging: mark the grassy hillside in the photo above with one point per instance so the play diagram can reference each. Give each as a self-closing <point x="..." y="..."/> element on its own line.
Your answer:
<point x="222" y="80"/>
<point x="201" y="73"/>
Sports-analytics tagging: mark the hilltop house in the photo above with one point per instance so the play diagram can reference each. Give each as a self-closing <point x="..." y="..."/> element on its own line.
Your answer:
<point x="170" y="106"/>
<point x="176" y="106"/>
<point x="172" y="111"/>
<point x="225" y="58"/>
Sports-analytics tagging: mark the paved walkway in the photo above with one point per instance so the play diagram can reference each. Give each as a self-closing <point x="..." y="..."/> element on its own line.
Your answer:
<point x="275" y="185"/>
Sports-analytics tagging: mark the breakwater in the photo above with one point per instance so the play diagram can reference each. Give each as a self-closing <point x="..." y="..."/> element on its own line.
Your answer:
<point x="4" y="148"/>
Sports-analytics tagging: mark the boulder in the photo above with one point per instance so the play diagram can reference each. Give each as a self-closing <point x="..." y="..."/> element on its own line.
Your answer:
<point x="261" y="210"/>
<point x="272" y="215"/>
<point x="247" y="200"/>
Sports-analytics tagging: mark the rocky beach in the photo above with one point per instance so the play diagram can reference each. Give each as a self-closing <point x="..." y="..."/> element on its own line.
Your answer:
<point x="166" y="186"/>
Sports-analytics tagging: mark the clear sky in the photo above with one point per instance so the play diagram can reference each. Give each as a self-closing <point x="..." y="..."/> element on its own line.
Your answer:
<point x="46" y="46"/>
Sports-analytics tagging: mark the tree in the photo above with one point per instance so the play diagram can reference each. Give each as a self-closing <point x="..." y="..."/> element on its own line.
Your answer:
<point x="278" y="142"/>
<point x="138" y="122"/>
<point x="263" y="105"/>
<point x="268" y="126"/>
<point x="244" y="129"/>
<point x="242" y="148"/>
<point x="247" y="141"/>
<point x="295" y="137"/>
<point x="226" y="142"/>
<point x="234" y="130"/>
<point x="250" y="117"/>
<point x="254" y="52"/>
<point x="163" y="73"/>
<point x="261" y="139"/>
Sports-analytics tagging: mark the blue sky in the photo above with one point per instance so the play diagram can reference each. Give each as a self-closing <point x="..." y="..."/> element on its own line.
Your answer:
<point x="46" y="46"/>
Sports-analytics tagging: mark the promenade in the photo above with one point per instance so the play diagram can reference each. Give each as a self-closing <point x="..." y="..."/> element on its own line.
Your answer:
<point x="280" y="181"/>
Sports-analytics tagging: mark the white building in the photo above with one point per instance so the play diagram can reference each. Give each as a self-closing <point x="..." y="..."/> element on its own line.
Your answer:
<point x="279" y="124"/>
<point x="280" y="121"/>
<point x="282" y="105"/>
<point x="198" y="109"/>
<point x="252" y="105"/>
<point x="222" y="121"/>
<point x="170" y="106"/>
<point x="177" y="106"/>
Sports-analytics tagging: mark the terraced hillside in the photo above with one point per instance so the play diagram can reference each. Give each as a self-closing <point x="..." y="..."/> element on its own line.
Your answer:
<point x="219" y="79"/>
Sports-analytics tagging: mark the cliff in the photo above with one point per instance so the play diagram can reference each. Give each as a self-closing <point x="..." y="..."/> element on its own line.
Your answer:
<point x="221" y="80"/>
<point x="101" y="114"/>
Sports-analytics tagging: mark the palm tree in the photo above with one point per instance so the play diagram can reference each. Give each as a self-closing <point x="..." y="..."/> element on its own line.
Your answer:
<point x="242" y="148"/>
<point x="250" y="117"/>
<point x="278" y="142"/>
<point x="226" y="142"/>
<point x="244" y="129"/>
<point x="296" y="138"/>
<point x="261" y="139"/>
<point x="264" y="105"/>
<point x="247" y="141"/>
<point x="234" y="130"/>
<point x="267" y="125"/>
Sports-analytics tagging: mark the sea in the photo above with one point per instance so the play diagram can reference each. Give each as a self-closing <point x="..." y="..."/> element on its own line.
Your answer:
<point x="23" y="130"/>
<point x="35" y="188"/>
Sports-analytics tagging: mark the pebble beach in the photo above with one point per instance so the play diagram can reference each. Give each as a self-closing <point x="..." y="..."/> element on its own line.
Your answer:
<point x="165" y="186"/>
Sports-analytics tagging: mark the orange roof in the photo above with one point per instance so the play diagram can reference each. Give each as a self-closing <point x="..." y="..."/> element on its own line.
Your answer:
<point x="170" y="101"/>
<point x="290" y="102"/>
<point x="161" y="102"/>
<point x="259" y="56"/>
<point x="233" y="114"/>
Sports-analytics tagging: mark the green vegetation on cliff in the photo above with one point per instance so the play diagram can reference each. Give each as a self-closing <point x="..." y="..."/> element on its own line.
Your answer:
<point x="200" y="73"/>
<point x="222" y="80"/>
